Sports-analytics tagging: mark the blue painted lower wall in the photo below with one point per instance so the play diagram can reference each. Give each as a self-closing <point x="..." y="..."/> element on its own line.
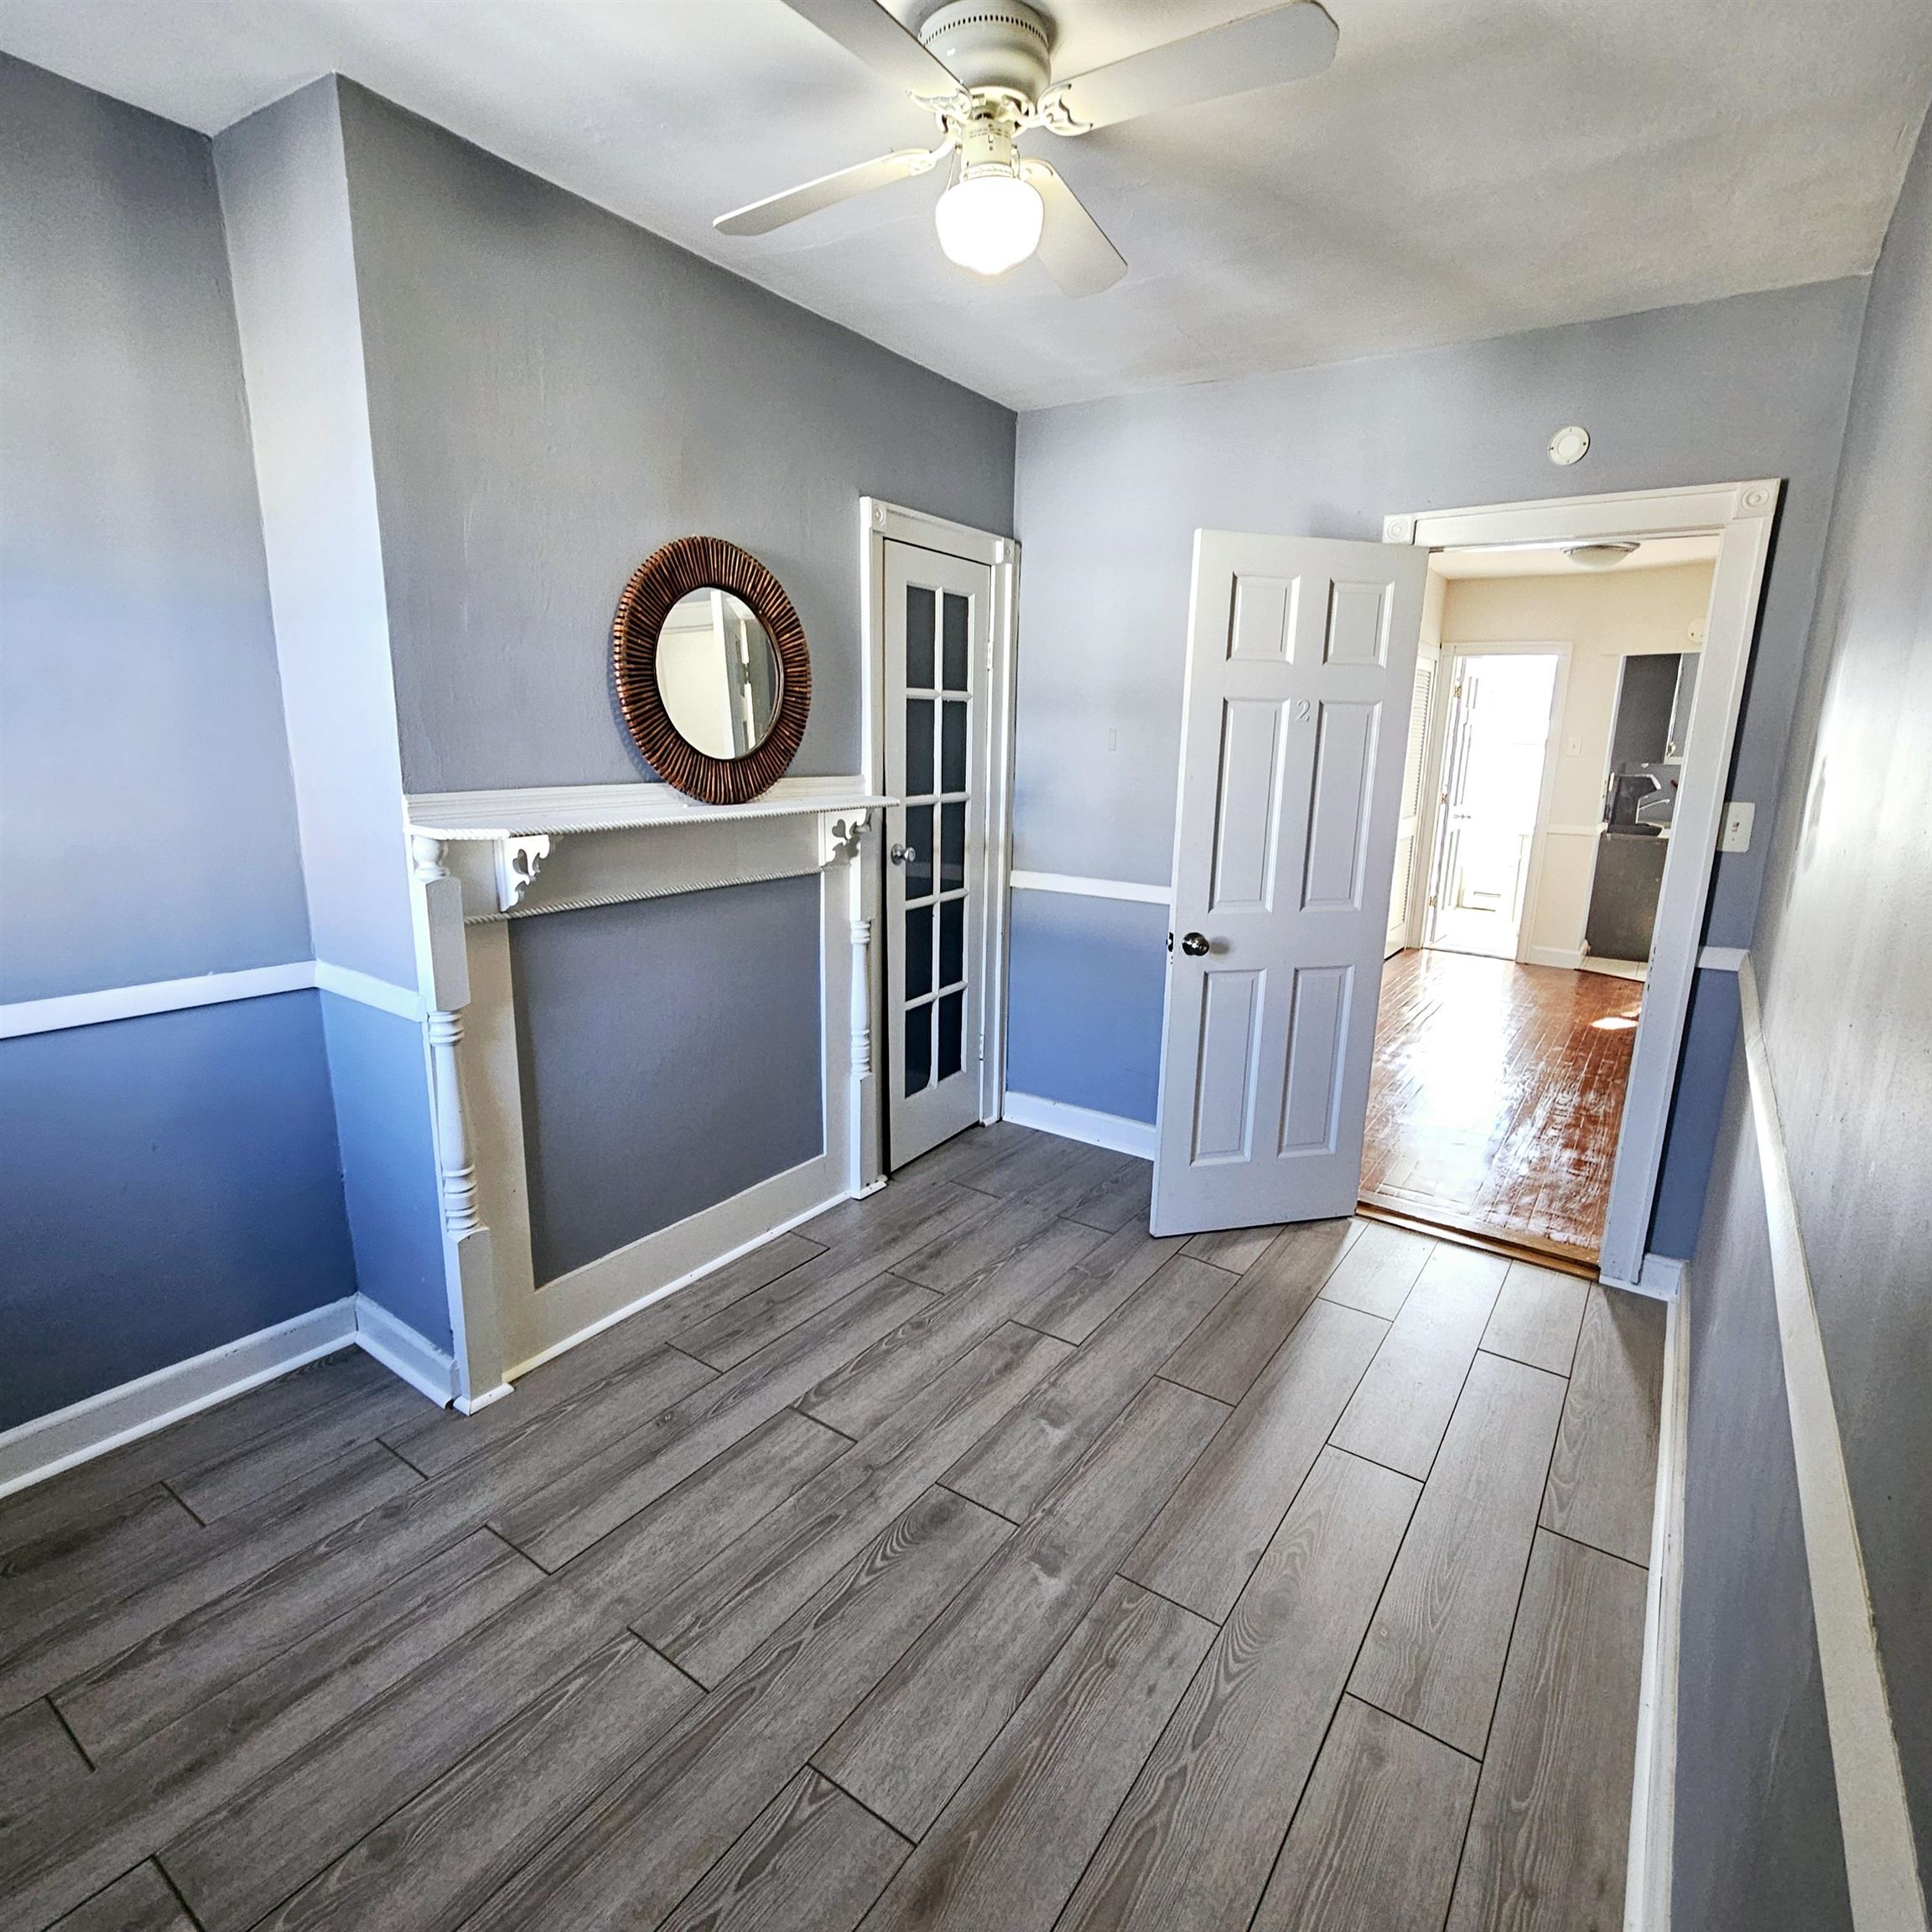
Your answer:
<point x="1087" y="981"/>
<point x="388" y="1150"/>
<point x="167" y="1184"/>
<point x="670" y="1053"/>
<point x="1697" y="1107"/>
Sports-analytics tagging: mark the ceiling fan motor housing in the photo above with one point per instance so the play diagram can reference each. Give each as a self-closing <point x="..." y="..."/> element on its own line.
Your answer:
<point x="1000" y="45"/>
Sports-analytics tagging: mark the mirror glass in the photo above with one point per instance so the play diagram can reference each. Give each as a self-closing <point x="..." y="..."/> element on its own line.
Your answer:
<point x="717" y="673"/>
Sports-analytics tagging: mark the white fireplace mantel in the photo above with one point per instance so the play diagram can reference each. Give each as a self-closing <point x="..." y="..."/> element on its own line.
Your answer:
<point x="554" y="809"/>
<point x="482" y="860"/>
<point x="508" y="849"/>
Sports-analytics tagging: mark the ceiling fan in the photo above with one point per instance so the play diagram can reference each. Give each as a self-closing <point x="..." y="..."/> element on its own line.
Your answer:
<point x="984" y="68"/>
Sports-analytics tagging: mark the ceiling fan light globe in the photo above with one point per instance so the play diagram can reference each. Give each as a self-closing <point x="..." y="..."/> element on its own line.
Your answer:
<point x="989" y="223"/>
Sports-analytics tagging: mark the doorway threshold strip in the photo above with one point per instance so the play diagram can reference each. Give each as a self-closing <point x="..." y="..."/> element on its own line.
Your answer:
<point x="1881" y="1863"/>
<point x="1370" y="1208"/>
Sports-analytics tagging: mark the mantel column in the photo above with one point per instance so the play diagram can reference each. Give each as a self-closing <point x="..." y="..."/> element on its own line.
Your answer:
<point x="469" y="1274"/>
<point x="861" y="902"/>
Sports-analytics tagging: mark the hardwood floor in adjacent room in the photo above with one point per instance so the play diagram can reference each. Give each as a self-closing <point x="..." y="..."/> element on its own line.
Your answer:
<point x="966" y="1559"/>
<point x="1496" y="1097"/>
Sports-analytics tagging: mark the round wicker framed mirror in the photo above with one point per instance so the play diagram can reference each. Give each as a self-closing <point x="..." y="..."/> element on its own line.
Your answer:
<point x="712" y="671"/>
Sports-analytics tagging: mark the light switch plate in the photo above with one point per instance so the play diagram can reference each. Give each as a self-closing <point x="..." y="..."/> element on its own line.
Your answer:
<point x="1737" y="835"/>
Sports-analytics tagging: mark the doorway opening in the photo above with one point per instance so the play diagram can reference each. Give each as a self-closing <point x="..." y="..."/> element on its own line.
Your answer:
<point x="1494" y="755"/>
<point x="1551" y="707"/>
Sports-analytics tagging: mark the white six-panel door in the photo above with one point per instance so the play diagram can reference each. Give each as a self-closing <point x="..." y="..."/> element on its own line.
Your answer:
<point x="1300" y="661"/>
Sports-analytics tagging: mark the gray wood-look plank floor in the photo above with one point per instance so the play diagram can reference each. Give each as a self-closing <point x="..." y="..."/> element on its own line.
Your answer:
<point x="967" y="1558"/>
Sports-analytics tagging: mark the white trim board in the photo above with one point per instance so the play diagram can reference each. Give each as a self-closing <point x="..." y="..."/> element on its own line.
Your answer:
<point x="33" y="1451"/>
<point x="402" y="1352"/>
<point x="1881" y="1862"/>
<point x="644" y="1257"/>
<point x="1077" y="887"/>
<point x="1071" y="1122"/>
<point x="23" y="1017"/>
<point x="1653" y="1791"/>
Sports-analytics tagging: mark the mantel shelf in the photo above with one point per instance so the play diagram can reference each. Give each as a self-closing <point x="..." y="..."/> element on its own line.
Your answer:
<point x="537" y="810"/>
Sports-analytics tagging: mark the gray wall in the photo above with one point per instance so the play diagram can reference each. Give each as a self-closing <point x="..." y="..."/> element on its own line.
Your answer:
<point x="649" y="1092"/>
<point x="554" y="393"/>
<point x="1757" y="1848"/>
<point x="285" y="199"/>
<point x="168" y="1183"/>
<point x="1108" y="495"/>
<point x="149" y="823"/>
<point x="1841" y="958"/>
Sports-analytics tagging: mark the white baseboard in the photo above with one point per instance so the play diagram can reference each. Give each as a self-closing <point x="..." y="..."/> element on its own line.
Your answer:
<point x="402" y="1352"/>
<point x="1662" y="1277"/>
<point x="1071" y="1122"/>
<point x="34" y="1450"/>
<point x="1635" y="969"/>
<point x="1653" y="1791"/>
<point x="1569" y="957"/>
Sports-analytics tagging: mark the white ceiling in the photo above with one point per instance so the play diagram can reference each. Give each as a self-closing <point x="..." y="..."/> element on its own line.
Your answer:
<point x="1467" y="168"/>
<point x="1654" y="553"/>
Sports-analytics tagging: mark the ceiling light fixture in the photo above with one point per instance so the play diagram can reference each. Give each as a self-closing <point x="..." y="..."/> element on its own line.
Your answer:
<point x="1598" y="556"/>
<point x="989" y="219"/>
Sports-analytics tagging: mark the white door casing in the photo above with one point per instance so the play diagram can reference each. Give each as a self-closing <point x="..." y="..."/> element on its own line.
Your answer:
<point x="1742" y="515"/>
<point x="1301" y="663"/>
<point x="1408" y="882"/>
<point x="939" y="613"/>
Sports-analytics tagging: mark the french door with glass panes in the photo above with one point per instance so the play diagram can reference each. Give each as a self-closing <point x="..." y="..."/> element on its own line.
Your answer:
<point x="937" y="612"/>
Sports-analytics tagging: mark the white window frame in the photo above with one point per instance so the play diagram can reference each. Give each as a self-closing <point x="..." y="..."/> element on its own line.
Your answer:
<point x="1742" y="517"/>
<point x="879" y="523"/>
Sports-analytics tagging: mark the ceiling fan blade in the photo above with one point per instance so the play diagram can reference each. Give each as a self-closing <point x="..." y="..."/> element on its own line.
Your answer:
<point x="1072" y="249"/>
<point x="775" y="210"/>
<point x="1284" y="44"/>
<point x="864" y="27"/>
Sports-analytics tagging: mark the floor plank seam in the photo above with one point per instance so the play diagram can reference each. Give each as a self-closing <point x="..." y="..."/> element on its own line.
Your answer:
<point x="407" y="1464"/>
<point x="665" y="1657"/>
<point x="1013" y="1522"/>
<point x="187" y="1910"/>
<point x="1205" y="1616"/>
<point x="1594" y="1548"/>
<point x="818" y="1771"/>
<point x="203" y="1520"/>
<point x="1409" y="1723"/>
<point x="60" y="1718"/>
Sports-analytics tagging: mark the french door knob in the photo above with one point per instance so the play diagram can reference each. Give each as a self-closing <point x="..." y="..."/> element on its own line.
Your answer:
<point x="902" y="855"/>
<point x="1194" y="944"/>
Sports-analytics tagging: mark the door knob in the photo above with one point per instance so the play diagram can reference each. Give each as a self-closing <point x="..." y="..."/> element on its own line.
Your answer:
<point x="1194" y="944"/>
<point x="901" y="855"/>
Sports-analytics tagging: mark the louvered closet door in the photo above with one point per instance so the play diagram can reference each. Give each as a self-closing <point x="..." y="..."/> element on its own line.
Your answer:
<point x="937" y="613"/>
<point x="1302" y="658"/>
